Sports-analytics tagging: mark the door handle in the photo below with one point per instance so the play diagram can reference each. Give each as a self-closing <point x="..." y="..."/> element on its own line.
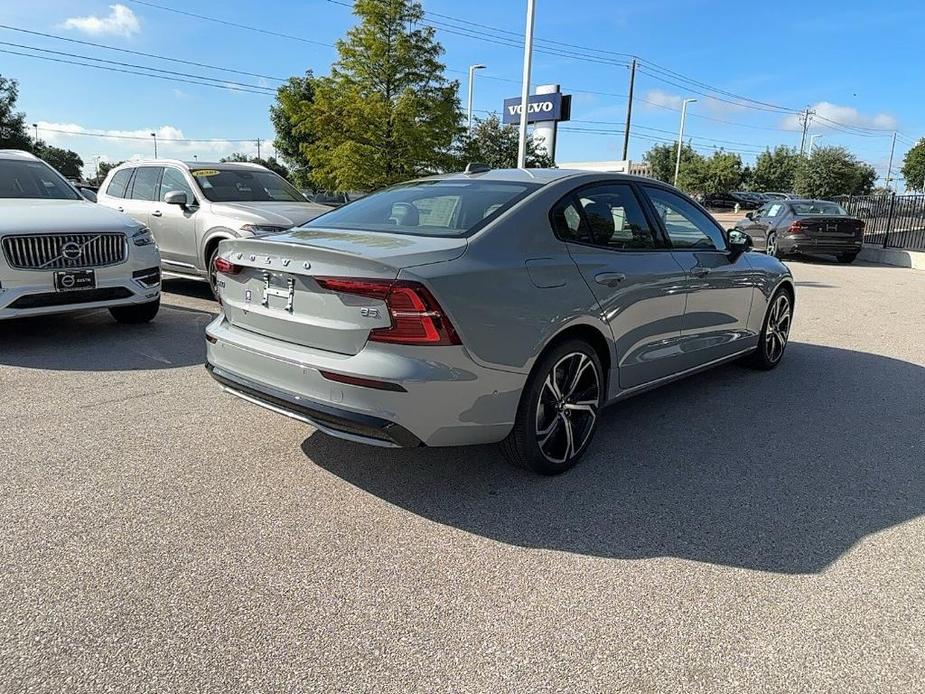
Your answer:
<point x="700" y="271"/>
<point x="609" y="279"/>
<point x="157" y="213"/>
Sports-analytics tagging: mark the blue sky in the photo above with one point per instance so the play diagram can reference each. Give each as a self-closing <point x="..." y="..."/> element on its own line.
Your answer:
<point x="859" y="66"/>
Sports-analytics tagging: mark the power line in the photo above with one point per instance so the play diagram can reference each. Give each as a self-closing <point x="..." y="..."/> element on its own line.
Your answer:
<point x="141" y="53"/>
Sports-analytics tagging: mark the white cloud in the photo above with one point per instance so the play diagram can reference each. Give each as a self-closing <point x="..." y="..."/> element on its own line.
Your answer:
<point x="842" y="115"/>
<point x="119" y="145"/>
<point x="655" y="98"/>
<point x="120" y="21"/>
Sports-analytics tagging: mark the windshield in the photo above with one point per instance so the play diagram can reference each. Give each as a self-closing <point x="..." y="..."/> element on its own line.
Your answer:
<point x="428" y="208"/>
<point x="815" y="207"/>
<point x="33" y="180"/>
<point x="242" y="185"/>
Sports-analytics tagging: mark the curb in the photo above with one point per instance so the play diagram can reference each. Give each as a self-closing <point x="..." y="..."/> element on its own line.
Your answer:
<point x="897" y="257"/>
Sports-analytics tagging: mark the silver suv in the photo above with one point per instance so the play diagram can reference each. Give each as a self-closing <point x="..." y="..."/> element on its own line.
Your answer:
<point x="191" y="206"/>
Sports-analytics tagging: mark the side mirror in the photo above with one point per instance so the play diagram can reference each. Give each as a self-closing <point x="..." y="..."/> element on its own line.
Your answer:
<point x="176" y="197"/>
<point x="87" y="193"/>
<point x="739" y="241"/>
<point x="749" y="215"/>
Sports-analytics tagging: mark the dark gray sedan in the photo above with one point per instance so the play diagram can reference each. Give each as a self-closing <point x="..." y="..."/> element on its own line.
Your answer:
<point x="788" y="227"/>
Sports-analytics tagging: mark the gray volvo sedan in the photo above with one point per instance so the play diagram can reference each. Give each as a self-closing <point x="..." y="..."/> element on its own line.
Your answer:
<point x="502" y="306"/>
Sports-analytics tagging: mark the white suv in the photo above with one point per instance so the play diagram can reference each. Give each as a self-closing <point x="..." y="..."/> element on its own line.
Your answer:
<point x="192" y="206"/>
<point x="59" y="252"/>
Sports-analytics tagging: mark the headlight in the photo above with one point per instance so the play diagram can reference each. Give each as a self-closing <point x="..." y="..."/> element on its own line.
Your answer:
<point x="143" y="237"/>
<point x="264" y="228"/>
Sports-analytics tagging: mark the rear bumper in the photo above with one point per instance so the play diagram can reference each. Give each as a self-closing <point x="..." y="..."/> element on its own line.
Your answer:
<point x="446" y="399"/>
<point x="332" y="420"/>
<point x="814" y="244"/>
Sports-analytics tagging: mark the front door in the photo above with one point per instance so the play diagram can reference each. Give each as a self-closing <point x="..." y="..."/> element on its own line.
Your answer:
<point x="173" y="226"/>
<point x="638" y="284"/>
<point x="139" y="198"/>
<point x="719" y="284"/>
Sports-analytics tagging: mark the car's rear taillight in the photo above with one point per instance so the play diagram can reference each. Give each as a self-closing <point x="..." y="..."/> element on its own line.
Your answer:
<point x="226" y="267"/>
<point x="796" y="228"/>
<point x="417" y="318"/>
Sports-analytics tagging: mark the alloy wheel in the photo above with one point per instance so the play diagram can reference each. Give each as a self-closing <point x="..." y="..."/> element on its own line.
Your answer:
<point x="772" y="244"/>
<point x="778" y="328"/>
<point x="567" y="409"/>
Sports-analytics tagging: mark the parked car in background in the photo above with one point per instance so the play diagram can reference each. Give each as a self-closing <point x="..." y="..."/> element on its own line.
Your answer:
<point x="495" y="306"/>
<point x="332" y="199"/>
<point x="192" y="206"/>
<point x="785" y="227"/>
<point x="728" y="201"/>
<point x="771" y="195"/>
<point x="63" y="253"/>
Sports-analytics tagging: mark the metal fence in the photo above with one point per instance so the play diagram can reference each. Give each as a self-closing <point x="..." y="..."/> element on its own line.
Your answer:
<point x="891" y="220"/>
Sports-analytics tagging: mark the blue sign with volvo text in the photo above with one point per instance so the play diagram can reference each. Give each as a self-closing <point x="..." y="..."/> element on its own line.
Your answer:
<point x="540" y="108"/>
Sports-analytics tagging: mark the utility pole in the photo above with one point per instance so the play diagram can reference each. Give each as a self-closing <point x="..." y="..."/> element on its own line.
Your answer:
<point x="677" y="161"/>
<point x="629" y="112"/>
<point x="258" y="148"/>
<point x="806" y="117"/>
<point x="889" y="167"/>
<point x="525" y="87"/>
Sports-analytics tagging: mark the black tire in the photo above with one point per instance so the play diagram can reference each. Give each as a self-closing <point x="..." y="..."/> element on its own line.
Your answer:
<point x="210" y="270"/>
<point x="136" y="313"/>
<point x="570" y="417"/>
<point x="847" y="258"/>
<point x="771" y="350"/>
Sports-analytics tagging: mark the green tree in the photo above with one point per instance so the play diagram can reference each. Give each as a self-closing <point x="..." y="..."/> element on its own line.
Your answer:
<point x="661" y="159"/>
<point x="720" y="172"/>
<point x="913" y="169"/>
<point x="102" y="170"/>
<point x="66" y="161"/>
<point x="496" y="145"/>
<point x="831" y="171"/>
<point x="776" y="169"/>
<point x="386" y="113"/>
<point x="271" y="162"/>
<point x="13" y="133"/>
<point x="290" y="120"/>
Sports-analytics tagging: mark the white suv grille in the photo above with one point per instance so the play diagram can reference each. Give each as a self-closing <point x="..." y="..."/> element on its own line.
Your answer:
<point x="63" y="251"/>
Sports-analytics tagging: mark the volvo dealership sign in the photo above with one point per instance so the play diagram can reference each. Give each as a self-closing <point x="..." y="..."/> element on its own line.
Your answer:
<point x="540" y="108"/>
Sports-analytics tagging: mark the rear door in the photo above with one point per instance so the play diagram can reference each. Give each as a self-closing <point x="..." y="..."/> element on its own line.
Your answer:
<point x="630" y="270"/>
<point x="761" y="223"/>
<point x="140" y="196"/>
<point x="174" y="226"/>
<point x="719" y="285"/>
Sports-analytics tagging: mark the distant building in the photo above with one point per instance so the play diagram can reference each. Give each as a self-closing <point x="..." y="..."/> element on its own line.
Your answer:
<point x="637" y="168"/>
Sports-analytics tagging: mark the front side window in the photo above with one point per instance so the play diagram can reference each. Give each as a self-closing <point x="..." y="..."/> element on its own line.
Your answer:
<point x="615" y="218"/>
<point x="119" y="183"/>
<point x="686" y="225"/>
<point x="428" y="208"/>
<point x="173" y="180"/>
<point x="146" y="183"/>
<point x="774" y="209"/>
<point x="244" y="185"/>
<point x="24" y="178"/>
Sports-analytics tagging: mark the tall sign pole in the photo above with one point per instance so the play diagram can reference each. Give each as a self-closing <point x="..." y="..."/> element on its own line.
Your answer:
<point x="525" y="87"/>
<point x="629" y="112"/>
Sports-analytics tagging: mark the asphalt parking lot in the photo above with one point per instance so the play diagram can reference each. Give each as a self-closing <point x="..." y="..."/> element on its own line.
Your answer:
<point x="738" y="531"/>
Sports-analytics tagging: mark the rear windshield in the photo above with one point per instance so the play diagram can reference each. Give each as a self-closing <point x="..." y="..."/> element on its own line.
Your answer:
<point x="33" y="179"/>
<point x="428" y="208"/>
<point x="808" y="208"/>
<point x="239" y="185"/>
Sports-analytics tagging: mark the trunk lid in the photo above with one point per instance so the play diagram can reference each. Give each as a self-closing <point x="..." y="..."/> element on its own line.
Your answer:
<point x="274" y="292"/>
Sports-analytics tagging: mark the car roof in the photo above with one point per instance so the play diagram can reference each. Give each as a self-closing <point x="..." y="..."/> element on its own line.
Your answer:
<point x="540" y="176"/>
<point x="17" y="154"/>
<point x="226" y="165"/>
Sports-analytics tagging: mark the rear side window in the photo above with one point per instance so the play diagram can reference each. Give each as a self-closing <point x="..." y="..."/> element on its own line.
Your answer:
<point x="428" y="208"/>
<point x="146" y="183"/>
<point x="119" y="183"/>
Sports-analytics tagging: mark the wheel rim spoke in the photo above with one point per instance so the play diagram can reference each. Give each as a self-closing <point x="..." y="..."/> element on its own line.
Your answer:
<point x="567" y="409"/>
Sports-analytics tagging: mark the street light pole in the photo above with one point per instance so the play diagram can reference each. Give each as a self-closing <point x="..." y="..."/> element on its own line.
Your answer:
<point x="812" y="141"/>
<point x="525" y="87"/>
<point x="154" y="135"/>
<point x="36" y="126"/>
<point x="472" y="69"/>
<point x="677" y="161"/>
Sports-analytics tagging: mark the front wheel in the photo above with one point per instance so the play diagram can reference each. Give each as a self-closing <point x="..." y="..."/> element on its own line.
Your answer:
<point x="558" y="410"/>
<point x="772" y="249"/>
<point x="776" y="331"/>
<point x="136" y="313"/>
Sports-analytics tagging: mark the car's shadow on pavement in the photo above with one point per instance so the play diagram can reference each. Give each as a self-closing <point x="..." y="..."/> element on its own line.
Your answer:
<point x="779" y="471"/>
<point x="93" y="341"/>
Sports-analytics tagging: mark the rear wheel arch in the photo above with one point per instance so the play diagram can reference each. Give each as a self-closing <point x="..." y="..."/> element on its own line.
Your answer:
<point x="586" y="333"/>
